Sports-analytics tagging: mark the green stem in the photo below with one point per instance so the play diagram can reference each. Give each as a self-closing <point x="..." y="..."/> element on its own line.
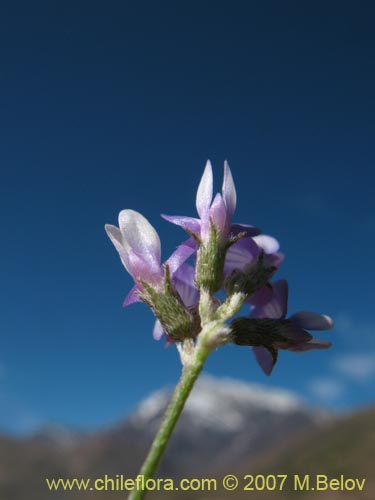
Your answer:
<point x="189" y="375"/>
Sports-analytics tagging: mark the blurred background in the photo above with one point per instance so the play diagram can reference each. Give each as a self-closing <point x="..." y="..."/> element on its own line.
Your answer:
<point x="119" y="105"/>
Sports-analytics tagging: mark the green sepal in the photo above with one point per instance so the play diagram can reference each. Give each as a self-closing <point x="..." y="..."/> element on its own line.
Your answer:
<point x="178" y="322"/>
<point x="210" y="262"/>
<point x="261" y="332"/>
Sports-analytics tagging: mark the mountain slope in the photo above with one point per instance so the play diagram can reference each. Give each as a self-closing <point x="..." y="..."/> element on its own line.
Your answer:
<point x="343" y="447"/>
<point x="224" y="422"/>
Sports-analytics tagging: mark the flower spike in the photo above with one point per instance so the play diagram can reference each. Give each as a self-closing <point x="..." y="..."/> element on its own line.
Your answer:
<point x="233" y="259"/>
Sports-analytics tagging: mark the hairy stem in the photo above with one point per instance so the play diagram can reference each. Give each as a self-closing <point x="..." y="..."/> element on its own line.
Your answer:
<point x="189" y="375"/>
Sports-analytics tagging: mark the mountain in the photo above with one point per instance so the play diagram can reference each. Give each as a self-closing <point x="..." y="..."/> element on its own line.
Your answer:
<point x="343" y="447"/>
<point x="226" y="426"/>
<point x="224" y="422"/>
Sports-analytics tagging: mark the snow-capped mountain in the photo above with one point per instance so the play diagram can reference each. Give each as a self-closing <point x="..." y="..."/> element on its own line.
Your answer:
<point x="220" y="403"/>
<point x="224" y="422"/>
<point x="343" y="444"/>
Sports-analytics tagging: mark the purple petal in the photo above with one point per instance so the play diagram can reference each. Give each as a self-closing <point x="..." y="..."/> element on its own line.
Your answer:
<point x="142" y="271"/>
<point x="312" y="345"/>
<point x="132" y="297"/>
<point x="158" y="330"/>
<point x="267" y="243"/>
<point x="312" y="321"/>
<point x="249" y="231"/>
<point x="261" y="297"/>
<point x="294" y="333"/>
<point x="274" y="259"/>
<point x="181" y="254"/>
<point x="264" y="359"/>
<point x="184" y="281"/>
<point x="169" y="342"/>
<point x="140" y="236"/>
<point x="241" y="255"/>
<point x="189" y="223"/>
<point x="204" y="193"/>
<point x="218" y="214"/>
<point x="229" y="191"/>
<point x="276" y="308"/>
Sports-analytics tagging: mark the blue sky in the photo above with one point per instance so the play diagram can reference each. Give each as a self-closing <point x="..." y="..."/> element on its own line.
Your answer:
<point x="116" y="106"/>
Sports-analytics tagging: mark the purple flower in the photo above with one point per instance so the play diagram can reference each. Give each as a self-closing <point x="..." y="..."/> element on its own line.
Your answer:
<point x="250" y="263"/>
<point x="213" y="232"/>
<point x="219" y="211"/>
<point x="138" y="245"/>
<point x="245" y="253"/>
<point x="290" y="334"/>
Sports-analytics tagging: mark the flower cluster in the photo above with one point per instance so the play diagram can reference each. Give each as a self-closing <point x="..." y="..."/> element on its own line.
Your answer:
<point x="233" y="266"/>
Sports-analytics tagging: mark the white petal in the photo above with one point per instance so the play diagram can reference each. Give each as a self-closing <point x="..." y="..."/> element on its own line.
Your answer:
<point x="204" y="193"/>
<point x="158" y="331"/>
<point x="267" y="243"/>
<point x="115" y="236"/>
<point x="140" y="236"/>
<point x="229" y="191"/>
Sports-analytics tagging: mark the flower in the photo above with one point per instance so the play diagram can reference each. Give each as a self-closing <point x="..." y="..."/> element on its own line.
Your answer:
<point x="235" y="255"/>
<point x="138" y="245"/>
<point x="219" y="211"/>
<point x="213" y="232"/>
<point x="268" y="330"/>
<point x="234" y="258"/>
<point x="250" y="263"/>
